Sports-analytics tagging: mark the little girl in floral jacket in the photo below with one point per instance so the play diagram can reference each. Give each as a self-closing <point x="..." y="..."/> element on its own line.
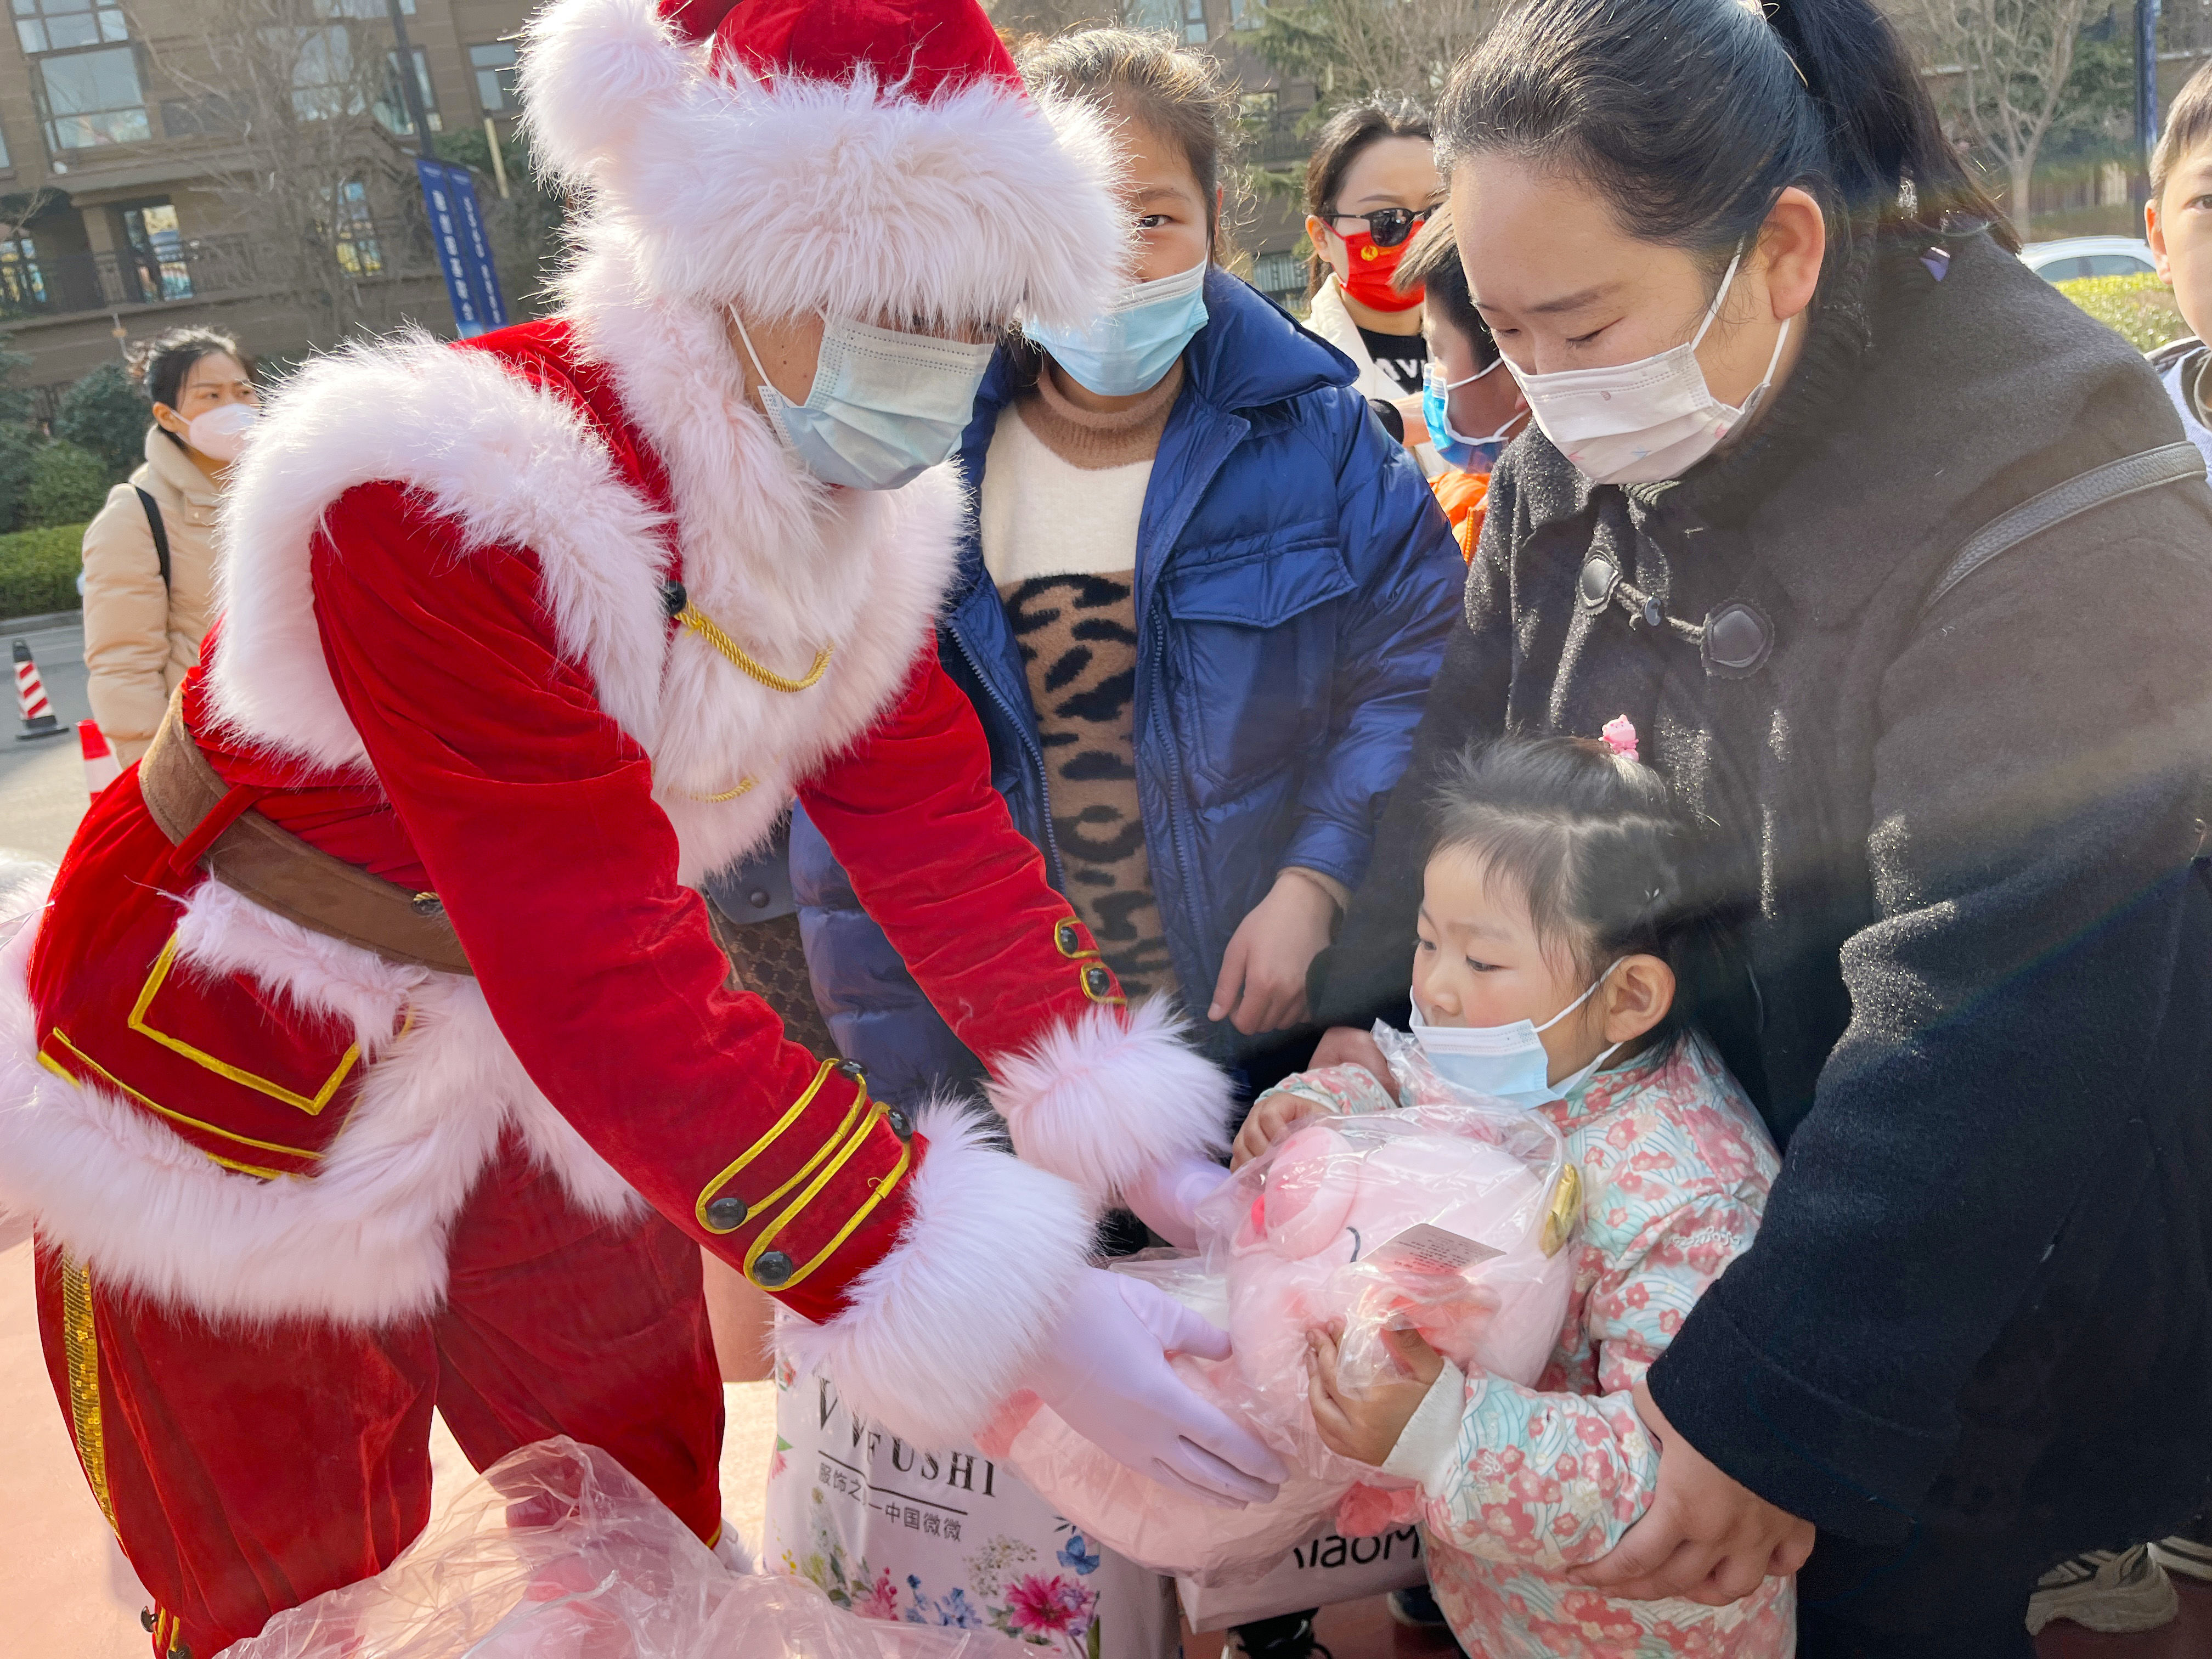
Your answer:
<point x="1557" y="960"/>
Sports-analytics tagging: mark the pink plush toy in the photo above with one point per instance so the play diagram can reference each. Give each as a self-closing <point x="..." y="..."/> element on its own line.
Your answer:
<point x="1447" y="1218"/>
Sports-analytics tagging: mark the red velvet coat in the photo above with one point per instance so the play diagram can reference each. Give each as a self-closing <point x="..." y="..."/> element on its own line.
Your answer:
<point x="517" y="728"/>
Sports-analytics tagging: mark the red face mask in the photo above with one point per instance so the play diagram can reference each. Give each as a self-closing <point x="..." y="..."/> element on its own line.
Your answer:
<point x="1372" y="267"/>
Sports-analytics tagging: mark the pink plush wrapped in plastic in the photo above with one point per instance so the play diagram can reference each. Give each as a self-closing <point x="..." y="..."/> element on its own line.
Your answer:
<point x="558" y="1553"/>
<point x="1446" y="1217"/>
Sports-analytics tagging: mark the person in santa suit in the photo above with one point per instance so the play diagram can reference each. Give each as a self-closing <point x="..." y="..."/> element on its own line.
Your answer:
<point x="369" y="1053"/>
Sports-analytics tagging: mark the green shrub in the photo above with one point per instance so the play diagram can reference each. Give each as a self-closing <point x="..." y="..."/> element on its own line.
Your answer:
<point x="37" y="570"/>
<point x="18" y="447"/>
<point x="2139" y="308"/>
<point x="67" y="486"/>
<point x="104" y="413"/>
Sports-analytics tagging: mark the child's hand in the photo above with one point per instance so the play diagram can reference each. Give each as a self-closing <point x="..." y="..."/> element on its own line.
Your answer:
<point x="1272" y="1116"/>
<point x="1364" y="1426"/>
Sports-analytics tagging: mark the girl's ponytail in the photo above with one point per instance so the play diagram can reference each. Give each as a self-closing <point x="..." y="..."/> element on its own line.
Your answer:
<point x="1691" y="116"/>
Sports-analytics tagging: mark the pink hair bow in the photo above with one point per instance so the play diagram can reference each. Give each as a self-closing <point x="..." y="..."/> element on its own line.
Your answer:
<point x="1619" y="736"/>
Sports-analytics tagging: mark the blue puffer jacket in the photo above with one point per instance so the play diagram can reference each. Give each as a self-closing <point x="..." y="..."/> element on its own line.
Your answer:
<point x="1296" y="583"/>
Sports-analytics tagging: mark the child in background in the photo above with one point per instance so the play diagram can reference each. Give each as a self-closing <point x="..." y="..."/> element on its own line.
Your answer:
<point x="2177" y="224"/>
<point x="1462" y="392"/>
<point x="1560" y="965"/>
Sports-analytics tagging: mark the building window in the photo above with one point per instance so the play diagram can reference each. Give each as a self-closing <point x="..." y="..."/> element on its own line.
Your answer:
<point x="1278" y="275"/>
<point x="1185" y="17"/>
<point x="22" y="287"/>
<point x="1247" y="14"/>
<point x="392" y="105"/>
<point x="4" y="162"/>
<point x="157" y="251"/>
<point x="495" y="71"/>
<point x="93" y="98"/>
<point x="64" y="25"/>
<point x="353" y="231"/>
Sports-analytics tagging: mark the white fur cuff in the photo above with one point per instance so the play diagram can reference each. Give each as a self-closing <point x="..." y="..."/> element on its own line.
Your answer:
<point x="1105" y="1099"/>
<point x="941" y="1331"/>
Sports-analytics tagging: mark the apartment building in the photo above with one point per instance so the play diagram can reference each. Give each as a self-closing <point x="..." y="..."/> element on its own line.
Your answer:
<point x="121" y="162"/>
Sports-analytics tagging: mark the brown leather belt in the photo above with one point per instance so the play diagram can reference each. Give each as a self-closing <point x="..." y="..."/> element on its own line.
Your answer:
<point x="282" y="873"/>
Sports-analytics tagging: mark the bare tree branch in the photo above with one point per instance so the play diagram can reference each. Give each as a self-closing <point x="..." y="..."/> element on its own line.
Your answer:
<point x="2013" y="59"/>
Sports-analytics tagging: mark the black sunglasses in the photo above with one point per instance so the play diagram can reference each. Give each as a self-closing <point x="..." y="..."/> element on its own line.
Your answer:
<point x="1387" y="227"/>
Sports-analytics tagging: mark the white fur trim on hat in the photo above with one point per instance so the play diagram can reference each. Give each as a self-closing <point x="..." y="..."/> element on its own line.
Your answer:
<point x="976" y="205"/>
<point x="1104" y="1100"/>
<point x="939" y="1333"/>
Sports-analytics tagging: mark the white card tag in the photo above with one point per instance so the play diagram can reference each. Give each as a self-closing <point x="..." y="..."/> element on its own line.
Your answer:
<point x="1422" y="1249"/>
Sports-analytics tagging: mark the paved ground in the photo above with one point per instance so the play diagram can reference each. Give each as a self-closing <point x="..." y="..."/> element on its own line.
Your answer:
<point x="42" y="791"/>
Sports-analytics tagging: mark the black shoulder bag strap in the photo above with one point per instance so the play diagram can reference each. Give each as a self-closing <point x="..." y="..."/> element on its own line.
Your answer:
<point x="2130" y="475"/>
<point x="161" y="535"/>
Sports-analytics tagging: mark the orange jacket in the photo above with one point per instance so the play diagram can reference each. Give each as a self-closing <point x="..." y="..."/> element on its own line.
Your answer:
<point x="1462" y="495"/>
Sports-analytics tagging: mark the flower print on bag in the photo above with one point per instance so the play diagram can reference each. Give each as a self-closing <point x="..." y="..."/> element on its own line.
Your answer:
<point x="1039" y="1607"/>
<point x="1076" y="1553"/>
<point x="881" y="1601"/>
<point x="778" y="1463"/>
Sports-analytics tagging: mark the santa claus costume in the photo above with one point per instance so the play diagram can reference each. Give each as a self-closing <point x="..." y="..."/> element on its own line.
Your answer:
<point x="370" y="1053"/>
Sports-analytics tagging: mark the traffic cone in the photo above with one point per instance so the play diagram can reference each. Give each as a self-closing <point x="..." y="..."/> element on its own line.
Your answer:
<point x="100" y="765"/>
<point x="39" y="720"/>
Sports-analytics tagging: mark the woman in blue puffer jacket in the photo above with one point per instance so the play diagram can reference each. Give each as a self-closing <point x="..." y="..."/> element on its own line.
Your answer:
<point x="1200" y="604"/>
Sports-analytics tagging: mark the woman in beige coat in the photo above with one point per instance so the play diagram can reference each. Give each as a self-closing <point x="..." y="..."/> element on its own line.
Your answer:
<point x="141" y="631"/>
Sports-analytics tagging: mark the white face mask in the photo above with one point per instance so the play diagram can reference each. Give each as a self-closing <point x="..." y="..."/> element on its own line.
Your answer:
<point x="1506" y="1062"/>
<point x="220" y="434"/>
<point x="1642" y="421"/>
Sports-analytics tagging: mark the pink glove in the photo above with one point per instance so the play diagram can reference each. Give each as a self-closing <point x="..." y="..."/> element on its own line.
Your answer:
<point x="1107" y="1375"/>
<point x="1167" y="1195"/>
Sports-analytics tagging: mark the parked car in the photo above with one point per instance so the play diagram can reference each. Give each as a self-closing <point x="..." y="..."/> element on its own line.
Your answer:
<point x="2088" y="256"/>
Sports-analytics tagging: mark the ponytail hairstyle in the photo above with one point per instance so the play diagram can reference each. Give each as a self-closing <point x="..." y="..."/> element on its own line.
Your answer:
<point x="1341" y="141"/>
<point x="1151" y="78"/>
<point x="1594" y="842"/>
<point x="1690" y="117"/>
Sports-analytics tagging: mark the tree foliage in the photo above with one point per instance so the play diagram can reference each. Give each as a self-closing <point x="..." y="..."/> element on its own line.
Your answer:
<point x="2014" y="59"/>
<point x="68" y="485"/>
<point x="107" y="415"/>
<point x="1351" y="48"/>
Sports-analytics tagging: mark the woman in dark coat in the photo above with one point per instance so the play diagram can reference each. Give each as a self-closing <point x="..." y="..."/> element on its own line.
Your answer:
<point x="1962" y="802"/>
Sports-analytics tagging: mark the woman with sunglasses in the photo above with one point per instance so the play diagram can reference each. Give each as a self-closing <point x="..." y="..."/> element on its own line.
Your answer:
<point x="1371" y="183"/>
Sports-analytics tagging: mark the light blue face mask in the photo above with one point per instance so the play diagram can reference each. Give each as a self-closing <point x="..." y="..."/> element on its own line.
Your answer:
<point x="1505" y="1062"/>
<point x="1467" y="454"/>
<point x="885" y="408"/>
<point x="1134" y="345"/>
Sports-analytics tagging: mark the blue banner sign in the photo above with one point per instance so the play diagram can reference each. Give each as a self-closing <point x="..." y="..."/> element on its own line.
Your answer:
<point x="449" y="196"/>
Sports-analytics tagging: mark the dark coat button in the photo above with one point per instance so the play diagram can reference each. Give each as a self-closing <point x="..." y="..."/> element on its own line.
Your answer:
<point x="757" y="897"/>
<point x="900" y="1125"/>
<point x="1737" y="638"/>
<point x="1067" y="939"/>
<point x="726" y="1213"/>
<point x="145" y="1620"/>
<point x="771" y="1268"/>
<point x="1598" y="580"/>
<point x="427" y="904"/>
<point x="853" y="1070"/>
<point x="1098" y="981"/>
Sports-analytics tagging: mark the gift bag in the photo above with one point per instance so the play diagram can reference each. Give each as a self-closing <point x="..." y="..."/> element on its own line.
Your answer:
<point x="1320" y="1571"/>
<point x="945" y="1537"/>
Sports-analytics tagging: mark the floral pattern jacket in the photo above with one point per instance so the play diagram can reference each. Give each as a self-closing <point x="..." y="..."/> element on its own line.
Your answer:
<point x="1519" y="1484"/>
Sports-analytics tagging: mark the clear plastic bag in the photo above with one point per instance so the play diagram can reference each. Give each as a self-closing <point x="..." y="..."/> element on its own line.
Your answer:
<point x="1438" y="1217"/>
<point x="558" y="1553"/>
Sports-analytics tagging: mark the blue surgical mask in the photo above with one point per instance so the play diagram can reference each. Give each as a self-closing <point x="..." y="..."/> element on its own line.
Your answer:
<point x="1134" y="345"/>
<point x="1504" y="1062"/>
<point x="885" y="407"/>
<point x="1467" y="454"/>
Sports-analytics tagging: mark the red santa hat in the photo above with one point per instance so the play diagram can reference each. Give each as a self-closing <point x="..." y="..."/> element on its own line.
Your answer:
<point x="860" y="157"/>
